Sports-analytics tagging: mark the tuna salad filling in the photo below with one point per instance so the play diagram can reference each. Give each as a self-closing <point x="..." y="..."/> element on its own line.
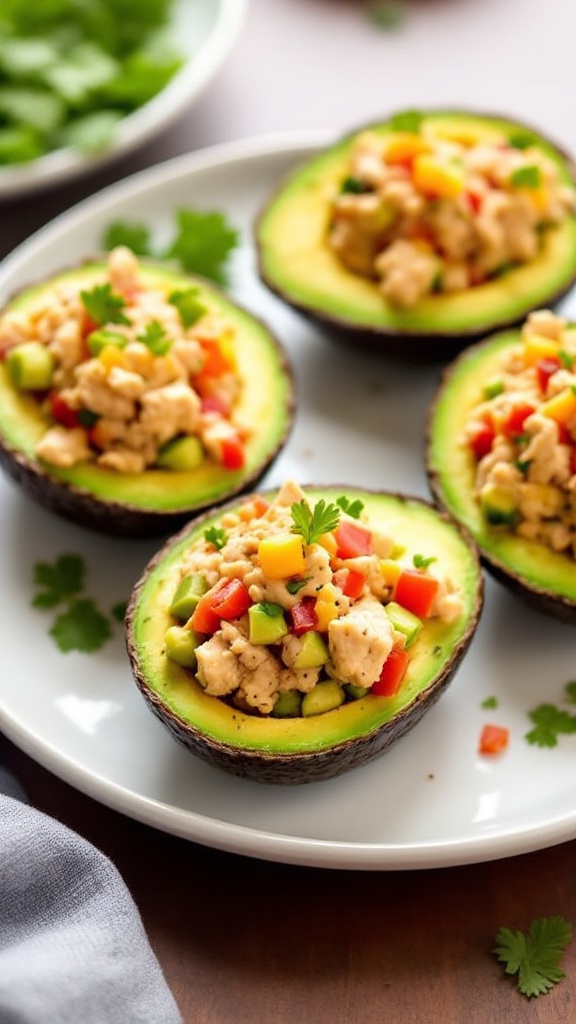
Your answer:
<point x="130" y="375"/>
<point x="431" y="211"/>
<point x="290" y="609"/>
<point x="522" y="435"/>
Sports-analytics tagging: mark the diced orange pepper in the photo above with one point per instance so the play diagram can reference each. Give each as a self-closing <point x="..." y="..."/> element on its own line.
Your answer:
<point x="537" y="347"/>
<point x="402" y="147"/>
<point x="493" y="739"/>
<point x="562" y="407"/>
<point x="435" y="178"/>
<point x="416" y="591"/>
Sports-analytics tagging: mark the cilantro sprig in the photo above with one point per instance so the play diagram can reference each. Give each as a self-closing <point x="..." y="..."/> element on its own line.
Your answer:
<point x="216" y="536"/>
<point x="422" y="561"/>
<point x="550" y="721"/>
<point x="351" y="508"/>
<point x="202" y="241"/>
<point x="311" y="523"/>
<point x="526" y="177"/>
<point x="104" y="306"/>
<point x="80" y="625"/>
<point x="534" y="956"/>
<point x="155" y="338"/>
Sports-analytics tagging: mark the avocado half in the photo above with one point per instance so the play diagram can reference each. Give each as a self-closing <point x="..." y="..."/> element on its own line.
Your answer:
<point x="296" y="263"/>
<point x="542" y="577"/>
<point x="156" y="501"/>
<point x="299" y="750"/>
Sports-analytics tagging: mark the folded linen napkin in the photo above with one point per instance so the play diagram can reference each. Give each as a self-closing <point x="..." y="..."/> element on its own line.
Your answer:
<point x="72" y="946"/>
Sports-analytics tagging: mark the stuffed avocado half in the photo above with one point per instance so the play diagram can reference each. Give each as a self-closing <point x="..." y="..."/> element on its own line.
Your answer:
<point x="423" y="232"/>
<point x="133" y="396"/>
<point x="297" y="634"/>
<point x="501" y="456"/>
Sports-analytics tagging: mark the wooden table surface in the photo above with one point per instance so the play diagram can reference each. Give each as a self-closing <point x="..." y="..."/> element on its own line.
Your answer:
<point x="243" y="940"/>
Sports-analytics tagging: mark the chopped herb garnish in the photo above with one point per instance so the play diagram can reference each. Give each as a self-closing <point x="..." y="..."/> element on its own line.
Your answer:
<point x="351" y="508"/>
<point x="549" y="723"/>
<point x="406" y="121"/>
<point x="523" y="464"/>
<point x="87" y="418"/>
<point x="203" y="243"/>
<point x="155" y="338"/>
<point x="133" y="234"/>
<point x="526" y="177"/>
<point x="387" y="14"/>
<point x="81" y="628"/>
<point x="271" y="608"/>
<point x="104" y="306"/>
<point x="188" y="305"/>
<point x="566" y="359"/>
<point x="534" y="955"/>
<point x="570" y="690"/>
<point x="60" y="581"/>
<point x="118" y="611"/>
<point x="355" y="186"/>
<point x="216" y="536"/>
<point x="293" y="586"/>
<point x="312" y="523"/>
<point x="490" y="702"/>
<point x="521" y="140"/>
<point x="421" y="562"/>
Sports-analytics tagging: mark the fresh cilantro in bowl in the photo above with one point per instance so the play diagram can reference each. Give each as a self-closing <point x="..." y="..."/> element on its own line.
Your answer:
<point x="71" y="70"/>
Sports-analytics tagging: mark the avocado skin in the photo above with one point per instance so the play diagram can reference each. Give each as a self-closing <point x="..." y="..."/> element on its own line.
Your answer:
<point x="297" y="768"/>
<point x="431" y="344"/>
<point x="120" y="518"/>
<point x="539" y="597"/>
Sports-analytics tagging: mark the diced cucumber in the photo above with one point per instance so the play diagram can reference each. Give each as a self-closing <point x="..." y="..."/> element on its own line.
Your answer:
<point x="493" y="388"/>
<point x="288" y="705"/>
<point x="326" y="696"/>
<point x="31" y="366"/>
<point x="182" y="453"/>
<point x="181" y="644"/>
<point x="187" y="594"/>
<point x="267" y="624"/>
<point x="313" y="651"/>
<point x="498" y="505"/>
<point x="403" y="621"/>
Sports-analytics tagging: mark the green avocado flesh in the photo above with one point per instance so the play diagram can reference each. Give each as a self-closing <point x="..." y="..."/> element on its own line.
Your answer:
<point x="265" y="406"/>
<point x="296" y="262"/>
<point x="451" y="470"/>
<point x="246" y="744"/>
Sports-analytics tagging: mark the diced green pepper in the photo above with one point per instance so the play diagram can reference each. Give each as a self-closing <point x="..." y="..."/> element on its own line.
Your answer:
<point x="99" y="340"/>
<point x="493" y="388"/>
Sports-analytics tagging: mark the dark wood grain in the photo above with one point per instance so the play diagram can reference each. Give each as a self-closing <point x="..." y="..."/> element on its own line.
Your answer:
<point x="243" y="940"/>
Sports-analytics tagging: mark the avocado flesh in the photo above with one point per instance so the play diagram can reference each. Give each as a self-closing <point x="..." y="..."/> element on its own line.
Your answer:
<point x="295" y="750"/>
<point x="543" y="577"/>
<point x="156" y="500"/>
<point x="296" y="263"/>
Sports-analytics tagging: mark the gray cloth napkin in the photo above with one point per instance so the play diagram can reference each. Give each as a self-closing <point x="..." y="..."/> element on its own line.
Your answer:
<point x="72" y="946"/>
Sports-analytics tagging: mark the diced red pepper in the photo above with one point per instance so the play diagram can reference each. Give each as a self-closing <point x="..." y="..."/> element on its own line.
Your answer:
<point x="392" y="674"/>
<point x="62" y="412"/>
<point x="514" y="423"/>
<point x="304" y="616"/>
<point x="416" y="591"/>
<point x="546" y="368"/>
<point x="573" y="460"/>
<point x="89" y="325"/>
<point x="564" y="435"/>
<point x="215" y="403"/>
<point x="204" y="619"/>
<point x="233" y="452"/>
<point x="474" y="199"/>
<point x="216" y="362"/>
<point x="231" y="600"/>
<point x="352" y="539"/>
<point x="351" y="582"/>
<point x="493" y="739"/>
<point x="481" y="439"/>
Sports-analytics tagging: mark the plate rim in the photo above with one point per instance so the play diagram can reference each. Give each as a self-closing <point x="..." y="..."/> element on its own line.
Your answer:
<point x="190" y="825"/>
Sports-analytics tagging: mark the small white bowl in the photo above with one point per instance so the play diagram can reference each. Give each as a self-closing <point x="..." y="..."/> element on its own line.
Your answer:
<point x="204" y="32"/>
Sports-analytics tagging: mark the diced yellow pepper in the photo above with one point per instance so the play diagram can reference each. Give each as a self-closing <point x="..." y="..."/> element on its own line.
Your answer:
<point x="402" y="146"/>
<point x="390" y="571"/>
<point x="328" y="541"/>
<point x="227" y="346"/>
<point x="537" y="347"/>
<point x="466" y="135"/>
<point x="561" y="408"/>
<point x="539" y="197"/>
<point x="281" y="556"/>
<point x="111" y="356"/>
<point x="325" y="607"/>
<point x="436" y="178"/>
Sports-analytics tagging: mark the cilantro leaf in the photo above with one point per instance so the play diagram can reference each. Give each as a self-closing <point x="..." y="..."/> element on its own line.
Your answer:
<point x="133" y="234"/>
<point x="549" y="722"/>
<point x="188" y="305"/>
<point x="216" y="536"/>
<point x="60" y="581"/>
<point x="406" y="121"/>
<point x="293" y="586"/>
<point x="312" y="523"/>
<point x="534" y="956"/>
<point x="155" y="338"/>
<point x="421" y="562"/>
<point x="526" y="177"/>
<point x="271" y="608"/>
<point x="386" y="14"/>
<point x="490" y="702"/>
<point x="355" y="186"/>
<point x="352" y="508"/>
<point x="570" y="689"/>
<point x="104" y="306"/>
<point x="521" y="140"/>
<point x="82" y="627"/>
<point x="118" y="611"/>
<point x="203" y="243"/>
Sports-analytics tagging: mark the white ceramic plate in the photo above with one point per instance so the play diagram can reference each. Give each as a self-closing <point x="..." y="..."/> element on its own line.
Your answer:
<point x="431" y="801"/>
<point x="204" y="32"/>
